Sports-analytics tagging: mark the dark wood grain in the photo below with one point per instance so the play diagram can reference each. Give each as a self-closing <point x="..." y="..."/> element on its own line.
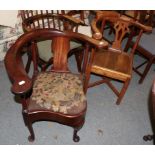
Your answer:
<point x="22" y="84"/>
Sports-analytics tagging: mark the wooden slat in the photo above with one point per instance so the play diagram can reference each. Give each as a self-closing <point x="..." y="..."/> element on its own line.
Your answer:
<point x="60" y="48"/>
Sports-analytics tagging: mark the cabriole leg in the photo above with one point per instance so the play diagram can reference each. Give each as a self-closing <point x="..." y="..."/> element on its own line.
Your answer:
<point x="28" y="123"/>
<point x="76" y="138"/>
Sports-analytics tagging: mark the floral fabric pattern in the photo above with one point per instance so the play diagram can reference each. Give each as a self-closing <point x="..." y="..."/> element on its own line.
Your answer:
<point x="58" y="92"/>
<point x="9" y="35"/>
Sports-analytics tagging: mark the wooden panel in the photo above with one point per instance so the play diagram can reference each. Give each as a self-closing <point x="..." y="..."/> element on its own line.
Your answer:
<point x="112" y="64"/>
<point x="60" y="46"/>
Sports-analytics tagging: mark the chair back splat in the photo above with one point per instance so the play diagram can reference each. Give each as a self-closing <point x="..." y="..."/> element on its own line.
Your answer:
<point x="56" y="19"/>
<point x="60" y="53"/>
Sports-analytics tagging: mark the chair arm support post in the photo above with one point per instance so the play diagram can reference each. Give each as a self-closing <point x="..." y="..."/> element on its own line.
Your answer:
<point x="136" y="43"/>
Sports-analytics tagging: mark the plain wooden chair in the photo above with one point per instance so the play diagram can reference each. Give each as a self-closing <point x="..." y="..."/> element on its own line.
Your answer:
<point x="145" y="48"/>
<point x="57" y="94"/>
<point x="113" y="63"/>
<point x="58" y="19"/>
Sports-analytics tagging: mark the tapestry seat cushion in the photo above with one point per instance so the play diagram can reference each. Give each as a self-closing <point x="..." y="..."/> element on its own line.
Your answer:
<point x="58" y="92"/>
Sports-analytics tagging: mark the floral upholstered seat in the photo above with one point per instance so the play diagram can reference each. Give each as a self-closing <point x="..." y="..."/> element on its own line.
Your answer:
<point x="58" y="92"/>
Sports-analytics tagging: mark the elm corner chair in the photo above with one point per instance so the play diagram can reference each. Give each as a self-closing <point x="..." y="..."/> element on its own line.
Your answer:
<point x="113" y="63"/>
<point x="56" y="95"/>
<point x="145" y="48"/>
<point x="34" y="19"/>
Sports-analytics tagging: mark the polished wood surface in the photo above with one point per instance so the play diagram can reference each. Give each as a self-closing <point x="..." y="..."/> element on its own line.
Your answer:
<point x="58" y="19"/>
<point x="22" y="83"/>
<point x="113" y="63"/>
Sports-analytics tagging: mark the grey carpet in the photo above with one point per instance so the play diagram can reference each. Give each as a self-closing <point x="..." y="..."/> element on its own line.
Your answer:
<point x="106" y="122"/>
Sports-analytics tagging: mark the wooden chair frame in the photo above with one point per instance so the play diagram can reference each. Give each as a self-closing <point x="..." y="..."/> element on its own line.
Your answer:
<point x="23" y="84"/>
<point x="149" y="60"/>
<point x="121" y="26"/>
<point x="145" y="17"/>
<point x="50" y="19"/>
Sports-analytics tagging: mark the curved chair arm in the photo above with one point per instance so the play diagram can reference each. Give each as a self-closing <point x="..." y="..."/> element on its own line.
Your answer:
<point x="13" y="61"/>
<point x="78" y="14"/>
<point x="94" y="42"/>
<point x="26" y="23"/>
<point x="14" y="66"/>
<point x="137" y="23"/>
<point x="75" y="20"/>
<point x="114" y="14"/>
<point x="100" y="15"/>
<point x="144" y="27"/>
<point x="96" y="32"/>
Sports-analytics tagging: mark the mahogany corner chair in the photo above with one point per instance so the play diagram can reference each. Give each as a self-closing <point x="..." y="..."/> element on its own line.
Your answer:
<point x="58" y="19"/>
<point x="113" y="64"/>
<point x="55" y="95"/>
